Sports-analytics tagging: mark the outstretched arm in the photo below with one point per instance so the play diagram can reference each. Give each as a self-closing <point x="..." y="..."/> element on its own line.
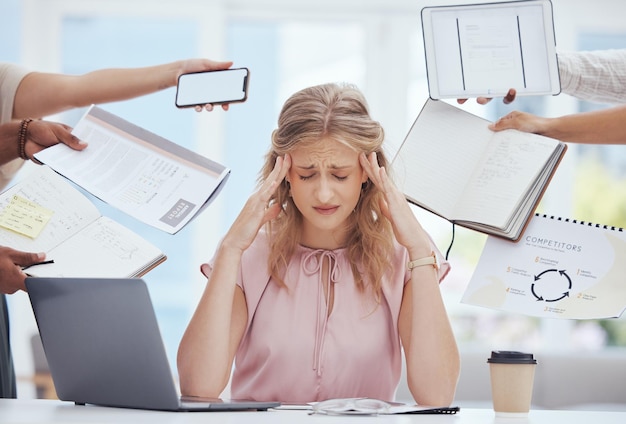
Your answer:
<point x="41" y="94"/>
<point x="606" y="126"/>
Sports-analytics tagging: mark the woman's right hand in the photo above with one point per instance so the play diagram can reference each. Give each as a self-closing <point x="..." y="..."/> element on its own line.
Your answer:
<point x="257" y="211"/>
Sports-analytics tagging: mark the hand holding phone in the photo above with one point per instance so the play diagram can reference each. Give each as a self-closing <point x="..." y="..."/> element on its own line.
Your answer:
<point x="212" y="87"/>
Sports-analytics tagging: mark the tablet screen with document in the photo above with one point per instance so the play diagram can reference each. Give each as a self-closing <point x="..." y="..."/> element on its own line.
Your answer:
<point x="475" y="50"/>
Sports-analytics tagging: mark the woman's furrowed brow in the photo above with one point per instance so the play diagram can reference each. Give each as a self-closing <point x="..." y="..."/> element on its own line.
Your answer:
<point x="305" y="168"/>
<point x="336" y="167"/>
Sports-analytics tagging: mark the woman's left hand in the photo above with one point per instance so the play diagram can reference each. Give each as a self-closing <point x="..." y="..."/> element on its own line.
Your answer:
<point x="395" y="207"/>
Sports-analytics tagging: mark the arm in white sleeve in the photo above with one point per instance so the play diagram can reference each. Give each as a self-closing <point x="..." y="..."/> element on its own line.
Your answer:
<point x="598" y="76"/>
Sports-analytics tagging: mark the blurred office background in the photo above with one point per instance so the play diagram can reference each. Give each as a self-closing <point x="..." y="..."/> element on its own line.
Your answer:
<point x="288" y="45"/>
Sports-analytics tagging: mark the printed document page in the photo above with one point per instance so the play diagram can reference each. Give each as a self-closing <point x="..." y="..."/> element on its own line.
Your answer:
<point x="138" y="172"/>
<point x="559" y="269"/>
<point x="491" y="53"/>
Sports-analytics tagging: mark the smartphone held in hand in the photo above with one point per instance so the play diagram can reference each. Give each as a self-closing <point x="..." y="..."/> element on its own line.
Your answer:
<point x="212" y="87"/>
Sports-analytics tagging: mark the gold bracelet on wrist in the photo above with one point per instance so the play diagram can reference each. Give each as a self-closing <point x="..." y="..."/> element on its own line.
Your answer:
<point x="22" y="138"/>
<point x="428" y="260"/>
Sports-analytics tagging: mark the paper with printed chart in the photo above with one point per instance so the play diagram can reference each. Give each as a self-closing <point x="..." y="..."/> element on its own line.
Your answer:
<point x="560" y="268"/>
<point x="138" y="172"/>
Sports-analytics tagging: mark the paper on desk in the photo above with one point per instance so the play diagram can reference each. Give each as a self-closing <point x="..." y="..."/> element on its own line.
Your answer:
<point x="560" y="268"/>
<point x="369" y="406"/>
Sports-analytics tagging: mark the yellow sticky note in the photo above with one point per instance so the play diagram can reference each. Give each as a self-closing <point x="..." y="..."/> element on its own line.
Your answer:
<point x="25" y="217"/>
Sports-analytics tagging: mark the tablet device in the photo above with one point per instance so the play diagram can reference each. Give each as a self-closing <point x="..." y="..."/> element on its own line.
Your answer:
<point x="485" y="49"/>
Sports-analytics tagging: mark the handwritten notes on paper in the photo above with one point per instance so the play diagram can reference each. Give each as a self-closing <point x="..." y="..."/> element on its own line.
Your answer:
<point x="24" y="217"/>
<point x="44" y="213"/>
<point x="451" y="164"/>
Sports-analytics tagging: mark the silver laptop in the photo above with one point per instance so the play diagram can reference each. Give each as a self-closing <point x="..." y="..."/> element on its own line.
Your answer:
<point x="103" y="346"/>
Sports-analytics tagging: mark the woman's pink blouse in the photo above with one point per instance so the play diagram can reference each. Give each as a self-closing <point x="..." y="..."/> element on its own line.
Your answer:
<point x="293" y="350"/>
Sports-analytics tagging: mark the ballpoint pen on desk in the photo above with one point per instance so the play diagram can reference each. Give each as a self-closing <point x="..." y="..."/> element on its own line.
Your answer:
<point x="51" y="261"/>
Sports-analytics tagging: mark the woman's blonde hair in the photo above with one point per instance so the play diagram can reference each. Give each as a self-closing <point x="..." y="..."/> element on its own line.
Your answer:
<point x="338" y="112"/>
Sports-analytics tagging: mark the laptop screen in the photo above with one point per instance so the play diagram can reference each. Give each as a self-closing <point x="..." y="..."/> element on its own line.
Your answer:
<point x="103" y="345"/>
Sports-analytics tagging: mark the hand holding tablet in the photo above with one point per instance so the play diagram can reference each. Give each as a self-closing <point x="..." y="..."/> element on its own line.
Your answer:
<point x="483" y="50"/>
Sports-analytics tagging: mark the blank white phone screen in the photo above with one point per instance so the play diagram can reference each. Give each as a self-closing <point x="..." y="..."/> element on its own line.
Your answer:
<point x="212" y="87"/>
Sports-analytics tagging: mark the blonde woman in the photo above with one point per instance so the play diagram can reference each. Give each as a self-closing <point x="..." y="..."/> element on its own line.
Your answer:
<point x="310" y="292"/>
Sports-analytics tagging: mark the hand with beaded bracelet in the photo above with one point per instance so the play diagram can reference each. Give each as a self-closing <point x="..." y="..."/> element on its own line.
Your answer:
<point x="25" y="138"/>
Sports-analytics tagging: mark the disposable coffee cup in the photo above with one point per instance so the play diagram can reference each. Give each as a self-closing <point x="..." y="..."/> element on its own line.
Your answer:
<point x="512" y="377"/>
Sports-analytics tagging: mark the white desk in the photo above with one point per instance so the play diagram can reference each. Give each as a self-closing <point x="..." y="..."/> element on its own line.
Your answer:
<point x="14" y="411"/>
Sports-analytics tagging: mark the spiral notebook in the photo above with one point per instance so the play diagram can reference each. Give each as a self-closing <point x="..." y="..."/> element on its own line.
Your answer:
<point x="560" y="268"/>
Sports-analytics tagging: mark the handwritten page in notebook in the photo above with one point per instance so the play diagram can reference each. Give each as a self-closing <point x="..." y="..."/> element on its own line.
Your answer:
<point x="105" y="249"/>
<point x="80" y="241"/>
<point x="452" y="164"/>
<point x="72" y="210"/>
<point x="436" y="160"/>
<point x="510" y="167"/>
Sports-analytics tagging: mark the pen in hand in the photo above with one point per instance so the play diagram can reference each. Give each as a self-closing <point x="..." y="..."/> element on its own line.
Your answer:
<point x="51" y="261"/>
